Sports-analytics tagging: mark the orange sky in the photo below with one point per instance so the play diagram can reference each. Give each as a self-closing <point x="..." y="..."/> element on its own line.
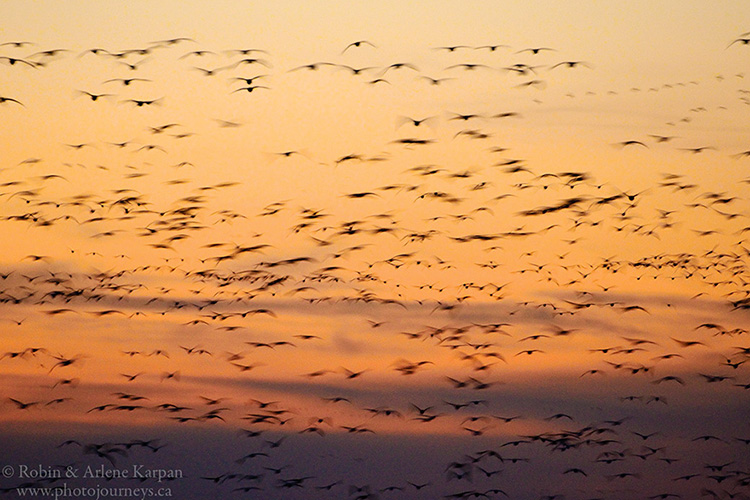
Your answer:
<point x="436" y="205"/>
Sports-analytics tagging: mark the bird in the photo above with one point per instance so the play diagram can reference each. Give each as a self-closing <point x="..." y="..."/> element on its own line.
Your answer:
<point x="21" y="405"/>
<point x="312" y="66"/>
<point x="632" y="143"/>
<point x="126" y="81"/>
<point x="4" y="100"/>
<point x="402" y="120"/>
<point x="357" y="44"/>
<point x="144" y="102"/>
<point x="571" y="64"/>
<point x="251" y="88"/>
<point x="741" y="41"/>
<point x="93" y="97"/>
<point x="13" y="61"/>
<point x="345" y="264"/>
<point x="535" y="50"/>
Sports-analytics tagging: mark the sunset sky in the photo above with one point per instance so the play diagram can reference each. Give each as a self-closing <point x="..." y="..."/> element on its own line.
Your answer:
<point x="377" y="250"/>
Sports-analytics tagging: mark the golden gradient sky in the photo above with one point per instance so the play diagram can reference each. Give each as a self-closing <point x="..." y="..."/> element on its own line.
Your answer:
<point x="564" y="233"/>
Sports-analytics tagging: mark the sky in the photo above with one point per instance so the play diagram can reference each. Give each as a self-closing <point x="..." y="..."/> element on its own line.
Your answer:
<point x="375" y="250"/>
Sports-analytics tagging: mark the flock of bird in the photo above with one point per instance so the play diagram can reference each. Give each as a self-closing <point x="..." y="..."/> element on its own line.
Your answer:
<point x="446" y="314"/>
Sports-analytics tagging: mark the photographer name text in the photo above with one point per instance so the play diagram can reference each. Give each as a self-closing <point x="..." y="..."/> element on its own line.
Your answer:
<point x="135" y="471"/>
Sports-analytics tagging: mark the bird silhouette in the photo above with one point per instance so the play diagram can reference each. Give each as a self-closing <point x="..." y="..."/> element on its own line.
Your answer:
<point x="333" y="270"/>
